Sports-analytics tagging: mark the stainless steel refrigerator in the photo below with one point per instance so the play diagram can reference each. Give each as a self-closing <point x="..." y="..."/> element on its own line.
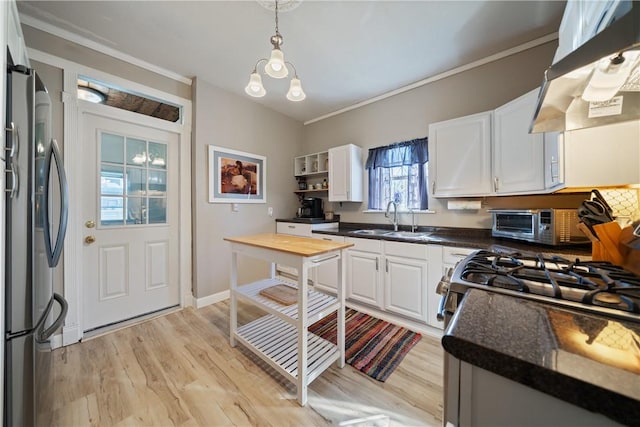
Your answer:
<point x="36" y="221"/>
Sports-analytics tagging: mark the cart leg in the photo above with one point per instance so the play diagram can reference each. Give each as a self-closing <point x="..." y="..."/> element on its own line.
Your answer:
<point x="233" y="321"/>
<point x="341" y="311"/>
<point x="303" y="323"/>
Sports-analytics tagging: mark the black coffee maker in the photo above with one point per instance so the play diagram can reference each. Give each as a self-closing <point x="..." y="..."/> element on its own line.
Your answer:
<point x="311" y="208"/>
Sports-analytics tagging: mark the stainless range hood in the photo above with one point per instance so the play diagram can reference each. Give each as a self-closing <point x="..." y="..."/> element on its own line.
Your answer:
<point x="611" y="58"/>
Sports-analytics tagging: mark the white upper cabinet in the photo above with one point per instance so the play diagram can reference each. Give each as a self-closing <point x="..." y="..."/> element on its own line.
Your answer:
<point x="601" y="156"/>
<point x="345" y="174"/>
<point x="518" y="155"/>
<point x="460" y="156"/>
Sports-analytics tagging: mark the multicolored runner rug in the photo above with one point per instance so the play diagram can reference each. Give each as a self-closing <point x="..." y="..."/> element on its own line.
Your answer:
<point x="372" y="346"/>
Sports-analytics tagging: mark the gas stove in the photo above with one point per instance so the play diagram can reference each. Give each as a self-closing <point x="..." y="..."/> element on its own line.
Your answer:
<point x="592" y="286"/>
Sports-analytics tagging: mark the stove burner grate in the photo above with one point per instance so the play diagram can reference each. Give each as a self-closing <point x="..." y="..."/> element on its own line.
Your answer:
<point x="595" y="283"/>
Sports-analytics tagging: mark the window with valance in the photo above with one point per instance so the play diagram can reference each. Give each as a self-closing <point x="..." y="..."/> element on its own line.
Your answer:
<point x="398" y="172"/>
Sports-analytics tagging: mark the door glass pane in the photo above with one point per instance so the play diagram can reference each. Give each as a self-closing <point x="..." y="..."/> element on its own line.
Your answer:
<point x="157" y="210"/>
<point x="111" y="180"/>
<point x="158" y="155"/>
<point x="112" y="148"/>
<point x="136" y="210"/>
<point x="111" y="210"/>
<point x="157" y="183"/>
<point x="136" y="152"/>
<point x="136" y="182"/>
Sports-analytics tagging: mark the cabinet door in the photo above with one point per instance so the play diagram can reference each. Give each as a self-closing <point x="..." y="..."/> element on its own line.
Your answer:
<point x="552" y="160"/>
<point x="363" y="277"/>
<point x="345" y="174"/>
<point x="517" y="154"/>
<point x="327" y="274"/>
<point x="406" y="287"/>
<point x="602" y="156"/>
<point x="461" y="161"/>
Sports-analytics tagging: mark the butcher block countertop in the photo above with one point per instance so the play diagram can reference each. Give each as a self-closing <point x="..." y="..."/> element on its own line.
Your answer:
<point x="302" y="246"/>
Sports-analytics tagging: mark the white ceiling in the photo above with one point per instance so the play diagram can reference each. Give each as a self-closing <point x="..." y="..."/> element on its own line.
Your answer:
<point x="345" y="52"/>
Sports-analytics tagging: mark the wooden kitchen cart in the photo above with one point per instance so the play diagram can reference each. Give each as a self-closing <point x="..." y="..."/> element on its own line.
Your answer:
<point x="280" y="337"/>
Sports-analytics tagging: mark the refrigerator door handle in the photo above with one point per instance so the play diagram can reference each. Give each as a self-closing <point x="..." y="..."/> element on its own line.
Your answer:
<point x="54" y="252"/>
<point x="14" y="181"/>
<point x="64" y="307"/>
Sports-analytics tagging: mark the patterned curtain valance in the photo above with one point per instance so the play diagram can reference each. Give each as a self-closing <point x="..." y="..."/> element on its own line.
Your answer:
<point x="405" y="153"/>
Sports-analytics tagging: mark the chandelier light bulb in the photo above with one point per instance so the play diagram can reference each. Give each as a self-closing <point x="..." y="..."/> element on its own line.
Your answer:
<point x="276" y="67"/>
<point x="295" y="90"/>
<point x="255" y="88"/>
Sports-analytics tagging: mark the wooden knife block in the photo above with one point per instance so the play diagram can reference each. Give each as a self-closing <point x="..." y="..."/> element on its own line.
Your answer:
<point x="612" y="247"/>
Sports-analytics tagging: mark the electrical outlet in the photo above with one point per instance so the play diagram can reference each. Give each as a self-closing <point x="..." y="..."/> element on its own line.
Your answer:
<point x="234" y="207"/>
<point x="270" y="211"/>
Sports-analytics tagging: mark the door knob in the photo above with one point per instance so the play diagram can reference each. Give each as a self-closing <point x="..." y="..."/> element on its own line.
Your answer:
<point x="90" y="224"/>
<point x="89" y="239"/>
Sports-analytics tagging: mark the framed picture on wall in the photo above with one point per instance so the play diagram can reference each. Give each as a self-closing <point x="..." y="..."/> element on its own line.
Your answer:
<point x="236" y="176"/>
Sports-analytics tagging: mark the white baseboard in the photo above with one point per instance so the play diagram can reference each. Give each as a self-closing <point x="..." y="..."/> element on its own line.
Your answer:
<point x="211" y="299"/>
<point x="56" y="341"/>
<point x="71" y="335"/>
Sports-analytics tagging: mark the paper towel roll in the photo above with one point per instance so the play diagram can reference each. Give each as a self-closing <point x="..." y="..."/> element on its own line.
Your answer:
<point x="464" y="204"/>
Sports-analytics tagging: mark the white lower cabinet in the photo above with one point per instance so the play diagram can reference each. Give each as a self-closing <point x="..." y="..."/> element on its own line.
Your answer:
<point x="399" y="278"/>
<point x="302" y="230"/>
<point x="364" y="282"/>
<point x="448" y="258"/>
<point x="326" y="274"/>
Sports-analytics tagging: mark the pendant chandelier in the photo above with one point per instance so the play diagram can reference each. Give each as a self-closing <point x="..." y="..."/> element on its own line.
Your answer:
<point x="275" y="67"/>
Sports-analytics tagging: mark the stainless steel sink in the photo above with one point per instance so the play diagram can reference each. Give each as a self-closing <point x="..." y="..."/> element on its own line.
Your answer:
<point x="409" y="234"/>
<point x="373" y="232"/>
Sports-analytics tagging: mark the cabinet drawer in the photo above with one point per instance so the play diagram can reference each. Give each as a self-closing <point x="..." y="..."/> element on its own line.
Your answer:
<point x="408" y="250"/>
<point x="365" y="245"/>
<point x="293" y="228"/>
<point x="329" y="237"/>
<point x="451" y="255"/>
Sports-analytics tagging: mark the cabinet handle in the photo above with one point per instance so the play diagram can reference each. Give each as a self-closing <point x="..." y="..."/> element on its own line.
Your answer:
<point x="458" y="254"/>
<point x="554" y="176"/>
<point x="291" y="226"/>
<point x="433" y="187"/>
<point x="386" y="265"/>
<point x="325" y="259"/>
<point x="495" y="183"/>
<point x="376" y="263"/>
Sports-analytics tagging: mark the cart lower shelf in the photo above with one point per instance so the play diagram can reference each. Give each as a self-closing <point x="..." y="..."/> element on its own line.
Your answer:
<point x="276" y="342"/>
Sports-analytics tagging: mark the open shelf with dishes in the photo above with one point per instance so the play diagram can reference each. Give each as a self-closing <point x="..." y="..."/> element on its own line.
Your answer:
<point x="311" y="164"/>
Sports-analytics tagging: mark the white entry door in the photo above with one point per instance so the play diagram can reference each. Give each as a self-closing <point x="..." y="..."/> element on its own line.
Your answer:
<point x="130" y="220"/>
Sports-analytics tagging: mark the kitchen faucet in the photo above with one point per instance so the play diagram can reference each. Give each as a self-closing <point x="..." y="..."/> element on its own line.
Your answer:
<point x="395" y="214"/>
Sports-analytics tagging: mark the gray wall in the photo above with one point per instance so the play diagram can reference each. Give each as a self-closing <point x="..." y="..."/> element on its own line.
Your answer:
<point x="48" y="43"/>
<point x="230" y="121"/>
<point x="406" y="116"/>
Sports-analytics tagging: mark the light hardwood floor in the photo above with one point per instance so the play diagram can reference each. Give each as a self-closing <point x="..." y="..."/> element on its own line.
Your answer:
<point x="179" y="369"/>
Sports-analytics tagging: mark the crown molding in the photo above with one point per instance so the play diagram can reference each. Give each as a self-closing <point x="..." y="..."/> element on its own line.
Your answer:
<point x="82" y="41"/>
<point x="495" y="57"/>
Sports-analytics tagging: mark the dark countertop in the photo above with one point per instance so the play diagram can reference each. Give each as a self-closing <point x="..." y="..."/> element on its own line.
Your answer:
<point x="308" y="220"/>
<point x="585" y="359"/>
<point x="461" y="237"/>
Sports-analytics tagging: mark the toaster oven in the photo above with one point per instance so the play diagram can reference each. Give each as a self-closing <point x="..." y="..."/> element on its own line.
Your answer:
<point x="545" y="226"/>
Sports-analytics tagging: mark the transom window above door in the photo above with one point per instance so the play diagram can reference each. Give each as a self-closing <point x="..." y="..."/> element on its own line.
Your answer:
<point x="133" y="181"/>
<point x="99" y="92"/>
